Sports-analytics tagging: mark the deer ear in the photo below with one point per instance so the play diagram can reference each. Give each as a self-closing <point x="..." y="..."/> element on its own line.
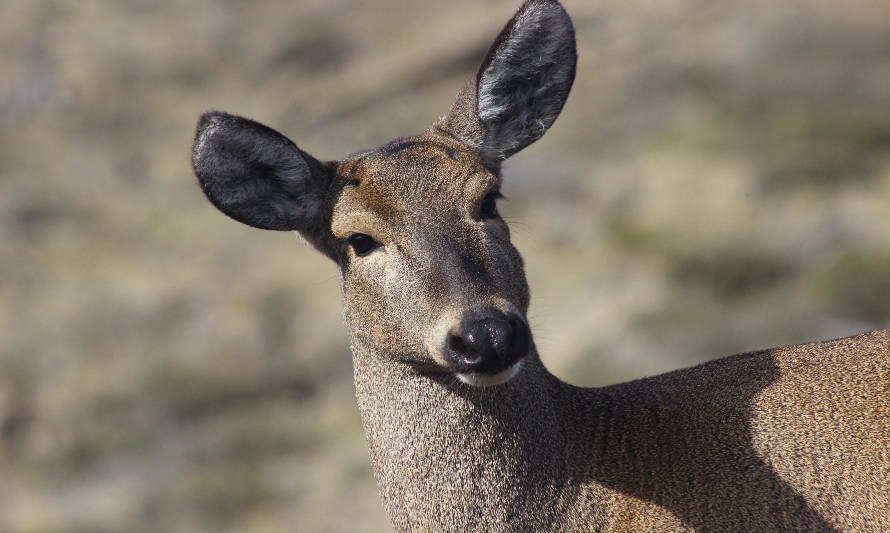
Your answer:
<point x="521" y="85"/>
<point x="256" y="175"/>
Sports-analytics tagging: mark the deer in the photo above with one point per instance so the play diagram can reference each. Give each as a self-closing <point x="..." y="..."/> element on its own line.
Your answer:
<point x="466" y="428"/>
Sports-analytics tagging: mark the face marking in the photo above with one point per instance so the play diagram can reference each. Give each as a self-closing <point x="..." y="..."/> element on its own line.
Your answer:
<point x="396" y="146"/>
<point x="417" y="179"/>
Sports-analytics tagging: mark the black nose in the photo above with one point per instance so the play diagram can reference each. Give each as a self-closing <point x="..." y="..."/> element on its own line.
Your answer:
<point x="488" y="343"/>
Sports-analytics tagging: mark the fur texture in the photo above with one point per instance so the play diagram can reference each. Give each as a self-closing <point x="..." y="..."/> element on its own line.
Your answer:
<point x="791" y="439"/>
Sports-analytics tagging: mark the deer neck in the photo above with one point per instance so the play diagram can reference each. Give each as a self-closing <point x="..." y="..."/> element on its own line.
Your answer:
<point x="444" y="452"/>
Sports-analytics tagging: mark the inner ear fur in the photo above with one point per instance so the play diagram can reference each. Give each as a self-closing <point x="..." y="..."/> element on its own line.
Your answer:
<point x="521" y="85"/>
<point x="256" y="175"/>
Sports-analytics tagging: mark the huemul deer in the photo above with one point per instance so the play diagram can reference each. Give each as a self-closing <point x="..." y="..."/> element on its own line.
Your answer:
<point x="435" y="298"/>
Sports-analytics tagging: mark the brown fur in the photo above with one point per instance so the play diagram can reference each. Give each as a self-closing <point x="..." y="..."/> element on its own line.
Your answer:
<point x="791" y="439"/>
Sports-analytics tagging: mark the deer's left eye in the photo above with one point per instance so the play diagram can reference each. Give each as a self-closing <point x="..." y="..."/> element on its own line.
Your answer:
<point x="362" y="244"/>
<point x="489" y="206"/>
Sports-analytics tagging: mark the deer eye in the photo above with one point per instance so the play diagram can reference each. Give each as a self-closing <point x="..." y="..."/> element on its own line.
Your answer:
<point x="362" y="244"/>
<point x="489" y="206"/>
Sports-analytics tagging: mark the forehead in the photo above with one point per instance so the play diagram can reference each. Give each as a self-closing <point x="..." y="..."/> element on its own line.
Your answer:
<point x="415" y="171"/>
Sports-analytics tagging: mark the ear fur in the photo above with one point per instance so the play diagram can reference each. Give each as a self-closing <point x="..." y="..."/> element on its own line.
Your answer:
<point x="256" y="175"/>
<point x="521" y="86"/>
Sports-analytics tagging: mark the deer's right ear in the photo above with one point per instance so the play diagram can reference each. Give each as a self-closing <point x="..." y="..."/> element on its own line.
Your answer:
<point x="256" y="175"/>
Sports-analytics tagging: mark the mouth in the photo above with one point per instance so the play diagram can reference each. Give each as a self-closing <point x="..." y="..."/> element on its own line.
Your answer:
<point x="478" y="379"/>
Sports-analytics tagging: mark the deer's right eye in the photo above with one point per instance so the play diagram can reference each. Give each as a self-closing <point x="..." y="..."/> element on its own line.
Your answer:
<point x="362" y="244"/>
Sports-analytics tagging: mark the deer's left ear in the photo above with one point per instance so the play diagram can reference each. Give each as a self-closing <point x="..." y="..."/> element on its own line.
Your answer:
<point x="521" y="86"/>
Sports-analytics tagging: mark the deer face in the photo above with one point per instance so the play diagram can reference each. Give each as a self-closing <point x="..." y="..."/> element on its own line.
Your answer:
<point x="428" y="269"/>
<point x="429" y="273"/>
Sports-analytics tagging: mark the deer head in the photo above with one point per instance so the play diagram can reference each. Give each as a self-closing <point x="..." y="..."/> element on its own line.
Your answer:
<point x="429" y="274"/>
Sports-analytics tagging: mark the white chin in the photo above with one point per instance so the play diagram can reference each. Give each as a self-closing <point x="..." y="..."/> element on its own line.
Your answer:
<point x="489" y="380"/>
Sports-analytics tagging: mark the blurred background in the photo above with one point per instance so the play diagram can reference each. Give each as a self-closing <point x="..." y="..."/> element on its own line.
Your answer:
<point x="719" y="182"/>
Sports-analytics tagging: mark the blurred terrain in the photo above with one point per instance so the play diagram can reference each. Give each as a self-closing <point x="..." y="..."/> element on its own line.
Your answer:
<point x="719" y="182"/>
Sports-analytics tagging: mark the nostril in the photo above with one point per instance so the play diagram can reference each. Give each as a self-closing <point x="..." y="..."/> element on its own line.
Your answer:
<point x="464" y="351"/>
<point x="456" y="343"/>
